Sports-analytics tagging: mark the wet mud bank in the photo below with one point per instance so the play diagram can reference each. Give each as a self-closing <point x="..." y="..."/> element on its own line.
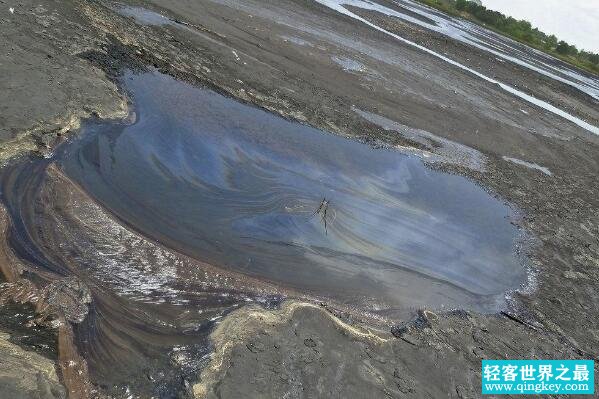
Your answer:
<point x="132" y="336"/>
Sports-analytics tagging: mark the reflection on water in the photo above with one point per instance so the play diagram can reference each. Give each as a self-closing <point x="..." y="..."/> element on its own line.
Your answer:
<point x="234" y="186"/>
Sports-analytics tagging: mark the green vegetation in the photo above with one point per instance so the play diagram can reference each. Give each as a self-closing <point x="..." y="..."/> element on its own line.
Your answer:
<point x="519" y="30"/>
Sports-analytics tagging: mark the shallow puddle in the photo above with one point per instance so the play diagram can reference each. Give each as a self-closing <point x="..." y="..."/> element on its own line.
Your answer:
<point x="239" y="188"/>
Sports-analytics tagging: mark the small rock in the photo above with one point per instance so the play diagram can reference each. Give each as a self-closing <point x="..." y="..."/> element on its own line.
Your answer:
<point x="399" y="330"/>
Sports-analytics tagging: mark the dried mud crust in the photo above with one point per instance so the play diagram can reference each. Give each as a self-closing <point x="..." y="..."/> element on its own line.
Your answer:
<point x="46" y="87"/>
<point x="74" y="50"/>
<point x="302" y="350"/>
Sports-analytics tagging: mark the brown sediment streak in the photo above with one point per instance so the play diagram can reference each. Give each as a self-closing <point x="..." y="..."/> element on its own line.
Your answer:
<point x="9" y="265"/>
<point x="72" y="367"/>
<point x="16" y="289"/>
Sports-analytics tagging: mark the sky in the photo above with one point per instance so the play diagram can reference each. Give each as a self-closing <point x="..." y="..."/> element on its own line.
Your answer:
<point x="575" y="21"/>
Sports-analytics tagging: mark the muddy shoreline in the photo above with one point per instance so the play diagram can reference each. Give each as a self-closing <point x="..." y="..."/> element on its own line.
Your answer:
<point x="242" y="50"/>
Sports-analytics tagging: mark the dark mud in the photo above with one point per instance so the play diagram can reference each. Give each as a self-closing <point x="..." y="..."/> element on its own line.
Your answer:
<point x="16" y="319"/>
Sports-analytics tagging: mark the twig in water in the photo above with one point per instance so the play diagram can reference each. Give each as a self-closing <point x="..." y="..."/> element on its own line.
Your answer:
<point x="322" y="210"/>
